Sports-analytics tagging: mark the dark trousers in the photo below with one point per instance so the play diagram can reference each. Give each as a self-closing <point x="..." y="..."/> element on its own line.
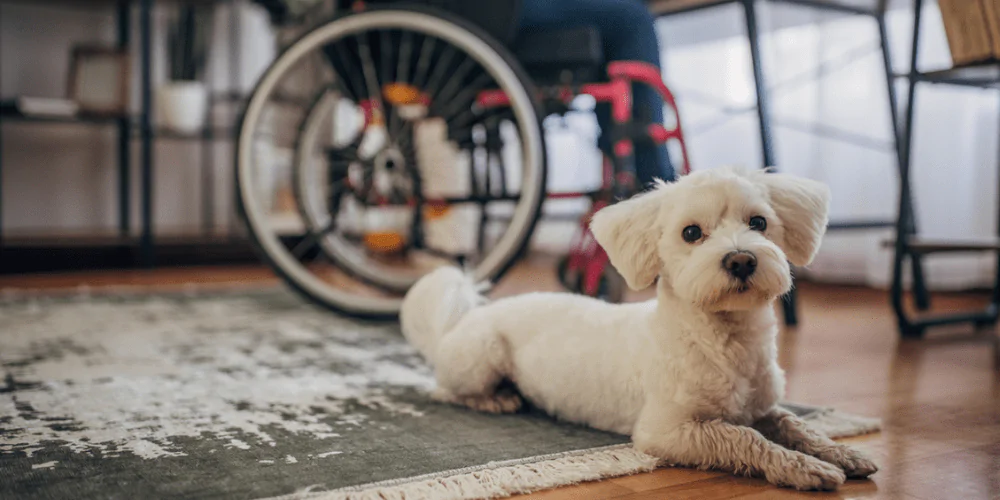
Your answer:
<point x="628" y="33"/>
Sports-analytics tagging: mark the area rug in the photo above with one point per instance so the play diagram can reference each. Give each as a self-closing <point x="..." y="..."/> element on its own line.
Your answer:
<point x="257" y="395"/>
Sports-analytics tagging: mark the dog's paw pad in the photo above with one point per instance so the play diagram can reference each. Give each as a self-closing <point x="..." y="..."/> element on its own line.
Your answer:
<point x="497" y="403"/>
<point x="501" y="402"/>
<point x="855" y="464"/>
<point x="811" y="474"/>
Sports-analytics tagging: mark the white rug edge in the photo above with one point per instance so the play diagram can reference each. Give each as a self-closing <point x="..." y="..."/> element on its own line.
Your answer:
<point x="513" y="477"/>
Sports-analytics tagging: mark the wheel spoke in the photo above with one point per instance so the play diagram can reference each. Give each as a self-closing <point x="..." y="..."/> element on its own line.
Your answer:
<point x="312" y="239"/>
<point x="502" y="172"/>
<point x="403" y="137"/>
<point x="385" y="54"/>
<point x="348" y="153"/>
<point x="355" y="86"/>
<point x="368" y="68"/>
<point x="455" y="81"/>
<point x="440" y="69"/>
<point x="423" y="64"/>
<point x="467" y="96"/>
<point x="405" y="50"/>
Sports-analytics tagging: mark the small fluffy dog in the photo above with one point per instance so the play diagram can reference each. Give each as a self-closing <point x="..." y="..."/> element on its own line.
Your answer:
<point x="692" y="376"/>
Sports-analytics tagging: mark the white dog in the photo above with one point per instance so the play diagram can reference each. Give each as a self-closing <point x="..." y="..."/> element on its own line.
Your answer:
<point x="692" y="376"/>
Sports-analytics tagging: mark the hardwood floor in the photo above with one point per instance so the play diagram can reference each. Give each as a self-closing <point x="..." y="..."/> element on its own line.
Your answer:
<point x="939" y="397"/>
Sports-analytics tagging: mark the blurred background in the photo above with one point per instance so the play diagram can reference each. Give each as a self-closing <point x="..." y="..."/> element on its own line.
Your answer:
<point x="61" y="177"/>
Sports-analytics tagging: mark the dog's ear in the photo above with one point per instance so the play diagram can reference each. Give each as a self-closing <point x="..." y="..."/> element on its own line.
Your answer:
<point x="803" y="205"/>
<point x="628" y="233"/>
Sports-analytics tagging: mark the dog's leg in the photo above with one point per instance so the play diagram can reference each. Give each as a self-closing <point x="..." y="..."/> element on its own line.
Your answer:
<point x="721" y="445"/>
<point x="783" y="427"/>
<point x="471" y="362"/>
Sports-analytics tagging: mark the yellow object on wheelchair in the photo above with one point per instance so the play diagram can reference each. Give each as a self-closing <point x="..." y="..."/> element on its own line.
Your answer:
<point x="385" y="242"/>
<point x="401" y="94"/>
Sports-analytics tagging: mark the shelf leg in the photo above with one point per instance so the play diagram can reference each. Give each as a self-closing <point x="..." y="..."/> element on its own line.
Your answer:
<point x="1" y="186"/>
<point x="235" y="54"/>
<point x="996" y="274"/>
<point x="146" y="243"/>
<point x="124" y="132"/>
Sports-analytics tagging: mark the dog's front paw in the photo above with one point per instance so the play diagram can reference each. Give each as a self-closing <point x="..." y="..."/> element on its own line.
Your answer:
<point x="854" y="463"/>
<point x="807" y="473"/>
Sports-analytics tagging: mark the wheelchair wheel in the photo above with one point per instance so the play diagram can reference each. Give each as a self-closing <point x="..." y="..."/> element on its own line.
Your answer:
<point x="365" y="157"/>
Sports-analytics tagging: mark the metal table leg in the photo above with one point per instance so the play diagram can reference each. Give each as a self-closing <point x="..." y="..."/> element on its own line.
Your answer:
<point x="901" y="138"/>
<point x="764" y="119"/>
<point x="788" y="302"/>
<point x="905" y="225"/>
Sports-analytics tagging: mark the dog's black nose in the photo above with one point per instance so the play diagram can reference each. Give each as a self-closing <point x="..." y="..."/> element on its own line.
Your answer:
<point x="740" y="264"/>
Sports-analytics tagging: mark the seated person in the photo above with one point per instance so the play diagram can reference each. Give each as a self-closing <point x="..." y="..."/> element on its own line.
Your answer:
<point x="628" y="33"/>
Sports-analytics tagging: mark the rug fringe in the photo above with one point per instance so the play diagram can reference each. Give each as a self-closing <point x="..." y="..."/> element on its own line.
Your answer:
<point x="838" y="424"/>
<point x="502" y="481"/>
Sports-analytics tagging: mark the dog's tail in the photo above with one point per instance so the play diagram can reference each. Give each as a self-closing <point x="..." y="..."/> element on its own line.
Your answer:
<point x="435" y="304"/>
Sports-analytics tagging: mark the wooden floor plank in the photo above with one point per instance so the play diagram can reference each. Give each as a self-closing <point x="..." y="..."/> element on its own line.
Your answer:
<point x="939" y="398"/>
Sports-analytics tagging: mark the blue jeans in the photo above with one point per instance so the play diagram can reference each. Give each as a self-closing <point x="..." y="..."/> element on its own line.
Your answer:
<point x="628" y="33"/>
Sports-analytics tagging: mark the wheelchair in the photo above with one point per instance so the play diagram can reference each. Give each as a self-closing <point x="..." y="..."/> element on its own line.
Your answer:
<point x="395" y="138"/>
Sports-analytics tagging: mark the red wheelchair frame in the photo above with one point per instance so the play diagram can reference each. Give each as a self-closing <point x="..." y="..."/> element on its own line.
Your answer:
<point x="586" y="259"/>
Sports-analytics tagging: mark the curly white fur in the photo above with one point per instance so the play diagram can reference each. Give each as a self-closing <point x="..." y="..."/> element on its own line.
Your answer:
<point x="692" y="376"/>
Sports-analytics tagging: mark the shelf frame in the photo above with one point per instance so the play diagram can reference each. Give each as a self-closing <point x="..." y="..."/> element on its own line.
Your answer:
<point x="907" y="246"/>
<point x="139" y="126"/>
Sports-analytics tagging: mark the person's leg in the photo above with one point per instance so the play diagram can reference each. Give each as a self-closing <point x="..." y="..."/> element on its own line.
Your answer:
<point x="628" y="33"/>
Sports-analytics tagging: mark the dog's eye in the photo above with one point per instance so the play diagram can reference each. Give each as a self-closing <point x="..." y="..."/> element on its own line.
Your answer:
<point x="758" y="223"/>
<point x="691" y="234"/>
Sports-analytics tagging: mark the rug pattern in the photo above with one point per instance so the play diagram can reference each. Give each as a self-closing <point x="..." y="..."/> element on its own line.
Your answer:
<point x="232" y="396"/>
<point x="254" y="395"/>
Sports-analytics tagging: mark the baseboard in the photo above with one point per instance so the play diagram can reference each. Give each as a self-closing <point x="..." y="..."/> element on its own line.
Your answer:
<point x="50" y="257"/>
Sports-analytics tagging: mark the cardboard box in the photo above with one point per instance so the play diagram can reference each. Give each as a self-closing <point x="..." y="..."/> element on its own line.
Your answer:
<point x="973" y="30"/>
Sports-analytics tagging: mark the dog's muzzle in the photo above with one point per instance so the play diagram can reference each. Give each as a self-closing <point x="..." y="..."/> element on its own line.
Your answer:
<point x="740" y="265"/>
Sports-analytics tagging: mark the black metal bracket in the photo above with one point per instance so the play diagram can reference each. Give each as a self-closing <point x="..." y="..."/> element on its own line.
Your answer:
<point x="906" y="245"/>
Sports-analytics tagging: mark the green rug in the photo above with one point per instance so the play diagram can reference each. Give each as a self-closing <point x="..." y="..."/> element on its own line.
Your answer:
<point x="256" y="395"/>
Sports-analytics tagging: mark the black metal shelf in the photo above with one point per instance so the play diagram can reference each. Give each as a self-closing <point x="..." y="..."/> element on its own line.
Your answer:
<point x="907" y="245"/>
<point x="925" y="245"/>
<point x="7" y="113"/>
<point x="137" y="127"/>
<point x="920" y="245"/>
<point x="78" y="251"/>
<point x="862" y="8"/>
<point x="216" y="134"/>
<point x="859" y="224"/>
<point x="985" y="76"/>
